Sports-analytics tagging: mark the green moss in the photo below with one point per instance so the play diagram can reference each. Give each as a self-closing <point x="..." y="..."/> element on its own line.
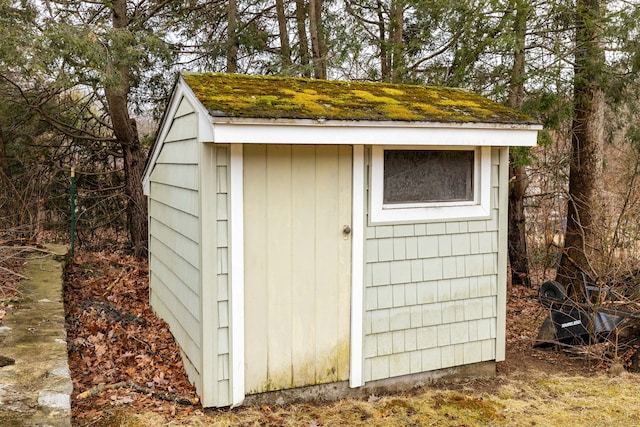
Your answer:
<point x="267" y="99"/>
<point x="429" y="110"/>
<point x="368" y="96"/>
<point x="480" y="410"/>
<point x="308" y="100"/>
<point x="392" y="91"/>
<point x="459" y="103"/>
<point x="398" y="112"/>
<point x="236" y="95"/>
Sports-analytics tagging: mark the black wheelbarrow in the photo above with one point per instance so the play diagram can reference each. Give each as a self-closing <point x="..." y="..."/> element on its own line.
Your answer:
<point x="578" y="323"/>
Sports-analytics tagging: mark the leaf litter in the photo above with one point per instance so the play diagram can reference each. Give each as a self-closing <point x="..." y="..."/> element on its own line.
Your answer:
<point x="127" y="360"/>
<point x="114" y="338"/>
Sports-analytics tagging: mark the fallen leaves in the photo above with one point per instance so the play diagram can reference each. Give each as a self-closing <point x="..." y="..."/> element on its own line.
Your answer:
<point x="114" y="338"/>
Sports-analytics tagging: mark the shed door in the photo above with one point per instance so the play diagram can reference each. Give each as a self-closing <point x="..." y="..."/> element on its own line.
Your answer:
<point x="297" y="200"/>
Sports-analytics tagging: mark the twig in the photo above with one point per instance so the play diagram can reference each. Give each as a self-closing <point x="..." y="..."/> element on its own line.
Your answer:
<point x="183" y="400"/>
<point x="115" y="282"/>
<point x="37" y="249"/>
<point x="14" y="273"/>
<point x="141" y="342"/>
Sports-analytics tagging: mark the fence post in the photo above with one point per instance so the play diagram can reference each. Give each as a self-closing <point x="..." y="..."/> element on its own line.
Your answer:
<point x="73" y="211"/>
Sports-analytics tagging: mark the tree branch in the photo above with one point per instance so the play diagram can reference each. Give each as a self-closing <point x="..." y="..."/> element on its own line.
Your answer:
<point x="183" y="400"/>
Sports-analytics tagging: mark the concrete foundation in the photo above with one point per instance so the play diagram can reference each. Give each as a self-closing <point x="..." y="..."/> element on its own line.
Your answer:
<point x="340" y="390"/>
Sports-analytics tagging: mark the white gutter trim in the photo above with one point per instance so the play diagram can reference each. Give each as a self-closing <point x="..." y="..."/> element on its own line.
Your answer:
<point x="357" y="134"/>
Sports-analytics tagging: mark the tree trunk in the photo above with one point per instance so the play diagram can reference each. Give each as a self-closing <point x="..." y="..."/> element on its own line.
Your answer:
<point x="516" y="85"/>
<point x="134" y="160"/>
<point x="395" y="36"/>
<point x="285" y="50"/>
<point x="318" y="47"/>
<point x="232" y="40"/>
<point x="585" y="170"/>
<point x="518" y="181"/>
<point x="127" y="135"/>
<point x="301" y="20"/>
<point x="517" y="247"/>
<point x="385" y="66"/>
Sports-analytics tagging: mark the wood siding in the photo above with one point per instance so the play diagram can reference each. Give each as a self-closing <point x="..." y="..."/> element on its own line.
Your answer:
<point x="297" y="265"/>
<point x="432" y="292"/>
<point x="175" y="241"/>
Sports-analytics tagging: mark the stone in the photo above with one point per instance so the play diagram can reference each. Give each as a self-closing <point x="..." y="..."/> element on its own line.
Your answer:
<point x="6" y="361"/>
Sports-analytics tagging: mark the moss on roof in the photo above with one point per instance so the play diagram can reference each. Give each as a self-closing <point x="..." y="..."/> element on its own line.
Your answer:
<point x="236" y="95"/>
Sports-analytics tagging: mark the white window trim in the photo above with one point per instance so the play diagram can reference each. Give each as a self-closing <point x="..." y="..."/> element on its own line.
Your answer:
<point x="480" y="207"/>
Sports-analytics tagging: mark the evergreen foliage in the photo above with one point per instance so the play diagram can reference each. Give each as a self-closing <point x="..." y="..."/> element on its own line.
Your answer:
<point x="63" y="64"/>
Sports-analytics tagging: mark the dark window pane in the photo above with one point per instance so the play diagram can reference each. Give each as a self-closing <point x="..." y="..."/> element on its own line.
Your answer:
<point x="419" y="176"/>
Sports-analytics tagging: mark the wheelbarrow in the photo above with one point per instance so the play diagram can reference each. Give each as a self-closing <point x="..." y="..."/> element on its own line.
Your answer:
<point x="577" y="323"/>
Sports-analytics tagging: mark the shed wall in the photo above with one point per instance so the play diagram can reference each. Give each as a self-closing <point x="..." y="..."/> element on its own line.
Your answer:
<point x="175" y="238"/>
<point x="432" y="292"/>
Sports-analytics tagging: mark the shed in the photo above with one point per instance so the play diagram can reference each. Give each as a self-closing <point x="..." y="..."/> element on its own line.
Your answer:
<point x="306" y="232"/>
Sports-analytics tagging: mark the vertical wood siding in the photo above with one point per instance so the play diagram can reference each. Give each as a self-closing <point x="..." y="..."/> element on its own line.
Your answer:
<point x="431" y="293"/>
<point x="297" y="264"/>
<point x="175" y="242"/>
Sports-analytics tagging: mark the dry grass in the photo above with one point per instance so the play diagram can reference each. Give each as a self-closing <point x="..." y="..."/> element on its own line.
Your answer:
<point x="531" y="398"/>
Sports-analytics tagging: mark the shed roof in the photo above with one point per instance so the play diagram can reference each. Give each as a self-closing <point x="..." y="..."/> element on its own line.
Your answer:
<point x="236" y="95"/>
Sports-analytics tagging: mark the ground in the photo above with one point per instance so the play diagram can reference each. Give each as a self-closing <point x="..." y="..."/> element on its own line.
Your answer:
<point x="127" y="371"/>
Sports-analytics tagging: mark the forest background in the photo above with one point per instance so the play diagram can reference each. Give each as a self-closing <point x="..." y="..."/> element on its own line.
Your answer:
<point x="83" y="85"/>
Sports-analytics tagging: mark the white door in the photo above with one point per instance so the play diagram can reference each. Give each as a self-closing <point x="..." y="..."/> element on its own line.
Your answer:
<point x="297" y="201"/>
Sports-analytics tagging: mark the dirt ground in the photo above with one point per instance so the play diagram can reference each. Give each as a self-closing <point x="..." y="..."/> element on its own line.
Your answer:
<point x="127" y="372"/>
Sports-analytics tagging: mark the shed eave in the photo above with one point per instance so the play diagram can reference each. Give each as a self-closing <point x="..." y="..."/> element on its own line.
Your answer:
<point x="230" y="130"/>
<point x="320" y="123"/>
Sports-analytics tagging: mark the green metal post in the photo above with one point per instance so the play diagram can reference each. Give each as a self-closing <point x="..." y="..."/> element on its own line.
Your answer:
<point x="73" y="211"/>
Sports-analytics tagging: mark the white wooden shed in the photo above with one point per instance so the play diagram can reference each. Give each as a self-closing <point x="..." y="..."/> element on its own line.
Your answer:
<point x="307" y="232"/>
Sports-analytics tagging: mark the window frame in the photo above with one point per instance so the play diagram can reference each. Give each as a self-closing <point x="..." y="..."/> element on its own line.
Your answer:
<point x="477" y="208"/>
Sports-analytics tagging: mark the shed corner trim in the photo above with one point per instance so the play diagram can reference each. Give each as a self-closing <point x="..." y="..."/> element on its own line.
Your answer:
<point x="237" y="274"/>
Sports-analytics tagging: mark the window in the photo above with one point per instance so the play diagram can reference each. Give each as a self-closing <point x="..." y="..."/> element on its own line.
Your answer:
<point x="417" y="183"/>
<point x="427" y="176"/>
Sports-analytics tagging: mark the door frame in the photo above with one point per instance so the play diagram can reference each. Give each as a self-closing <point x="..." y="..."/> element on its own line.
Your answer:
<point x="236" y="270"/>
<point x="356" y="357"/>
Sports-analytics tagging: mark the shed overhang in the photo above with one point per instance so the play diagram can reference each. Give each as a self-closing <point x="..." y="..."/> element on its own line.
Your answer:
<point x="227" y="130"/>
